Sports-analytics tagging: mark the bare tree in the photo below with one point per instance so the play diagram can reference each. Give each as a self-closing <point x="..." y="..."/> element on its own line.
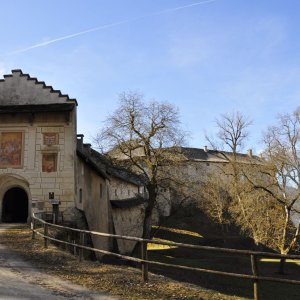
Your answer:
<point x="265" y="192"/>
<point x="231" y="136"/>
<point x="212" y="198"/>
<point x="232" y="132"/>
<point x="143" y="137"/>
<point x="282" y="177"/>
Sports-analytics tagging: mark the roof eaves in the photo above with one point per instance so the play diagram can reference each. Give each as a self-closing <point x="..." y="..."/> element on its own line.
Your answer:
<point x="91" y="163"/>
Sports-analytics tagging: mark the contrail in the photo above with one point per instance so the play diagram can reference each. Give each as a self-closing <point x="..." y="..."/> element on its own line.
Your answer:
<point x="43" y="44"/>
<point x="71" y="36"/>
<point x="183" y="7"/>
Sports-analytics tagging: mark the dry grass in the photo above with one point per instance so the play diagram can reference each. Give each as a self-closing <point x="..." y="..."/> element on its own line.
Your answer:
<point x="122" y="281"/>
<point x="179" y="231"/>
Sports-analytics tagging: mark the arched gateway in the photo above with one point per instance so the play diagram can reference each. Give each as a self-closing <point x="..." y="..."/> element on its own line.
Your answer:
<point x="14" y="199"/>
<point x="15" y="206"/>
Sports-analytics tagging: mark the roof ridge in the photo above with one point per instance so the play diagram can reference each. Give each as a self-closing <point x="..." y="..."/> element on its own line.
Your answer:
<point x="37" y="82"/>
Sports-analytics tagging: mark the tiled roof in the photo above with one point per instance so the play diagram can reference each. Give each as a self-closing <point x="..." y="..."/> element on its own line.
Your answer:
<point x="86" y="157"/>
<point x="101" y="163"/>
<point x="197" y="154"/>
<point x="194" y="153"/>
<point x="115" y="171"/>
<point x="129" y="202"/>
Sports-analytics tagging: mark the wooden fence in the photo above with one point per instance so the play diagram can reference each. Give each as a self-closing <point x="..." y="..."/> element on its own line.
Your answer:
<point x="144" y="262"/>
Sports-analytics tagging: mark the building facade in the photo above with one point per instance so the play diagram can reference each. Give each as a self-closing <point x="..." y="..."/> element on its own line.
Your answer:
<point x="37" y="147"/>
<point x="43" y="161"/>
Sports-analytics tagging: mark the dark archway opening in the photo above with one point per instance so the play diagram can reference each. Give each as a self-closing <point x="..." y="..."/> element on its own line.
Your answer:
<point x="15" y="206"/>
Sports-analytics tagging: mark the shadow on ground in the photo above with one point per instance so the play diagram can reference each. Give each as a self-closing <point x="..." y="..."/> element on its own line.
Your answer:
<point x="195" y="228"/>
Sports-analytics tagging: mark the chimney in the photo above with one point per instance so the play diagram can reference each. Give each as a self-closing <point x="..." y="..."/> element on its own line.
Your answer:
<point x="249" y="152"/>
<point x="80" y="141"/>
<point x="88" y="146"/>
<point x="205" y="148"/>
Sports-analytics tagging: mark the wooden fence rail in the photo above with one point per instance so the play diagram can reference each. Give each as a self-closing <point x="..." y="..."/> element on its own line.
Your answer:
<point x="256" y="279"/>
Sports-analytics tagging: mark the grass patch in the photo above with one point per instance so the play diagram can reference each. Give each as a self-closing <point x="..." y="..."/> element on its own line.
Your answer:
<point x="178" y="231"/>
<point x="276" y="261"/>
<point x="153" y="246"/>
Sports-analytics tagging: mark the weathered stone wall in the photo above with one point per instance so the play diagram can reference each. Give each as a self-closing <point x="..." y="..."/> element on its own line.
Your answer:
<point x="128" y="222"/>
<point x="120" y="189"/>
<point x="32" y="109"/>
<point x="92" y="198"/>
<point x="41" y="182"/>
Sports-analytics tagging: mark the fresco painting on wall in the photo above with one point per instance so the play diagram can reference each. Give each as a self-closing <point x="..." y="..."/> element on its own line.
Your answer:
<point x="50" y="138"/>
<point x="11" y="149"/>
<point x="49" y="162"/>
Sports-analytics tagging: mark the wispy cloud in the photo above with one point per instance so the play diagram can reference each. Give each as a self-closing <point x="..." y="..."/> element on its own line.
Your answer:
<point x="102" y="27"/>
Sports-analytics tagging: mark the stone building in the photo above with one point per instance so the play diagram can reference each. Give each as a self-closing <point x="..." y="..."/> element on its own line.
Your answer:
<point x="123" y="213"/>
<point x="37" y="147"/>
<point x="43" y="161"/>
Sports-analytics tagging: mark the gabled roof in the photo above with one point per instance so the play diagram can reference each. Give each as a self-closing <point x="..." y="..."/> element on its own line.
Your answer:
<point x="115" y="171"/>
<point x="197" y="154"/>
<point x="194" y="153"/>
<point x="102" y="165"/>
<point x="84" y="154"/>
<point x="129" y="202"/>
<point x="19" y="89"/>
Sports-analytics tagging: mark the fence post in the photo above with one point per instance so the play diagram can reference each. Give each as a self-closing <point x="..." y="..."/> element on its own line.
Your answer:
<point x="45" y="235"/>
<point x="81" y="243"/>
<point x="33" y="228"/>
<point x="255" y="273"/>
<point x="144" y="256"/>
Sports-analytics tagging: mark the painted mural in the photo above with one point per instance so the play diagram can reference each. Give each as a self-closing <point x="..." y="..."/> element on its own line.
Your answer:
<point x="11" y="149"/>
<point x="50" y="138"/>
<point x="49" y="162"/>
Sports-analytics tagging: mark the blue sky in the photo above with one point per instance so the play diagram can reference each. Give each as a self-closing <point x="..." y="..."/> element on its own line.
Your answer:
<point x="207" y="59"/>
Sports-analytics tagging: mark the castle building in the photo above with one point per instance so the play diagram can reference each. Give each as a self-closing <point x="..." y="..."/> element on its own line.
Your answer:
<point x="44" y="162"/>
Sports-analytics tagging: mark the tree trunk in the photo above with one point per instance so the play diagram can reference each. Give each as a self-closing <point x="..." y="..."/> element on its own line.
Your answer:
<point x="281" y="266"/>
<point x="148" y="211"/>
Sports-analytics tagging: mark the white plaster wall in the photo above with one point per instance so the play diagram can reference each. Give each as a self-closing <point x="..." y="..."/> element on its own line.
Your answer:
<point x="128" y="222"/>
<point x="95" y="206"/>
<point x="41" y="183"/>
<point x="120" y="189"/>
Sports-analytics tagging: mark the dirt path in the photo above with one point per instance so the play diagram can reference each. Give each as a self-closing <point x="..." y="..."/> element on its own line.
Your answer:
<point x="20" y="280"/>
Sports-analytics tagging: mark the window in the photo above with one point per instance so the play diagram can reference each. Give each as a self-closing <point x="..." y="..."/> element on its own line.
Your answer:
<point x="80" y="195"/>
<point x="101" y="190"/>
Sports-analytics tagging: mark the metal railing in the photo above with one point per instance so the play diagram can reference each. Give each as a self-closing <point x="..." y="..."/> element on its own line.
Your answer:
<point x="143" y="260"/>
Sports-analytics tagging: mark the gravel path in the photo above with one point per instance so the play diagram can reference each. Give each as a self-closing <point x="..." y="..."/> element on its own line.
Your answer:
<point x="20" y="280"/>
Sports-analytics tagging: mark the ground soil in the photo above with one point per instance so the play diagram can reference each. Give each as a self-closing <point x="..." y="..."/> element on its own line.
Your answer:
<point x="122" y="281"/>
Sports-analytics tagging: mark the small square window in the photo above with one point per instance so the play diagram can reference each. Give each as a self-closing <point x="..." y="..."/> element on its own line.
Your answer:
<point x="80" y="195"/>
<point x="101" y="190"/>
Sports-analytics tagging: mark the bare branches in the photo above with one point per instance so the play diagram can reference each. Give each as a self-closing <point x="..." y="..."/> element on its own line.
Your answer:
<point x="144" y="137"/>
<point x="232" y="131"/>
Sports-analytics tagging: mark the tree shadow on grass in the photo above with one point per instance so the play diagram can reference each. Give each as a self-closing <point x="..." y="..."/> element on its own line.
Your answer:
<point x="192" y="226"/>
<point x="230" y="285"/>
